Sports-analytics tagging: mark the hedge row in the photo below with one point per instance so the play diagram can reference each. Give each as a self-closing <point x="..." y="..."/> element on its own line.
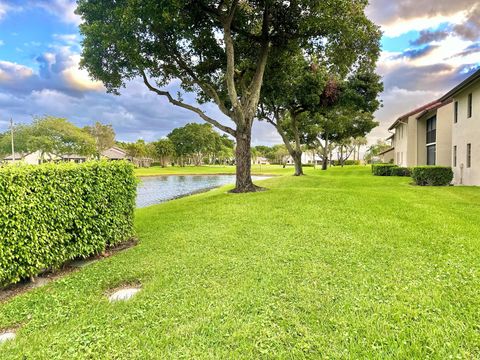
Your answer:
<point x="383" y="169"/>
<point x="53" y="213"/>
<point x="432" y="175"/>
<point x="422" y="175"/>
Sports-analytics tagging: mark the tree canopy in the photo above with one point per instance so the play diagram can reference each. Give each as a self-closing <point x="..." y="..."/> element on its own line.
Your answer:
<point x="104" y="136"/>
<point x="196" y="141"/>
<point x="218" y="50"/>
<point x="50" y="135"/>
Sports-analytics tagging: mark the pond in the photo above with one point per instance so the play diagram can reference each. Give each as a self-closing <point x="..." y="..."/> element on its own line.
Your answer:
<point x="156" y="189"/>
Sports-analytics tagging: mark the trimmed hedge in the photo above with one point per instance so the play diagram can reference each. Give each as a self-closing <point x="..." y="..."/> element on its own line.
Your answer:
<point x="432" y="175"/>
<point x="400" y="171"/>
<point x="346" y="162"/>
<point x="382" y="169"/>
<point x="53" y="213"/>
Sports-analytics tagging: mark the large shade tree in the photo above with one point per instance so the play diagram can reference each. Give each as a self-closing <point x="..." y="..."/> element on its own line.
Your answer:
<point x="217" y="49"/>
<point x="194" y="141"/>
<point x="298" y="85"/>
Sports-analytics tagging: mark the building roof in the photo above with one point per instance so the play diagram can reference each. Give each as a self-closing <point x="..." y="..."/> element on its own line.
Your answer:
<point x="434" y="107"/>
<point x="413" y="112"/>
<point x="386" y="151"/>
<point x="18" y="156"/>
<point x="114" y="153"/>
<point x="465" y="83"/>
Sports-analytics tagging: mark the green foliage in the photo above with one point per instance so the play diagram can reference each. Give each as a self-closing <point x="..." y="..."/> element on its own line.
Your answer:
<point x="50" y="135"/>
<point x="139" y="149"/>
<point x="400" y="171"/>
<point x="376" y="149"/>
<point x="351" y="162"/>
<point x="53" y="213"/>
<point x="174" y="39"/>
<point x="382" y="169"/>
<point x="196" y="141"/>
<point x="104" y="136"/>
<point x="432" y="175"/>
<point x="165" y="149"/>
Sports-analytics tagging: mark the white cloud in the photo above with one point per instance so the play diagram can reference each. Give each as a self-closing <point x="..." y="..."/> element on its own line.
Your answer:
<point x="2" y="43"/>
<point x="10" y="71"/>
<point x="78" y="79"/>
<point x="63" y="9"/>
<point x="401" y="26"/>
<point x="399" y="17"/>
<point x="3" y="11"/>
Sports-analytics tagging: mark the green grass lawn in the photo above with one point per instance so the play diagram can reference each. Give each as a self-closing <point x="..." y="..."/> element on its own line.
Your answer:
<point x="336" y="264"/>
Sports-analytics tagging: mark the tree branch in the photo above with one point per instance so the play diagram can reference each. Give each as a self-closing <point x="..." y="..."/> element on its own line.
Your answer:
<point x="206" y="87"/>
<point x="196" y="110"/>
<point x="230" y="53"/>
<point x="255" y="86"/>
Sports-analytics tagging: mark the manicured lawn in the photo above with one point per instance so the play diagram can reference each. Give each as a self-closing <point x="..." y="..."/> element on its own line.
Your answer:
<point x="216" y="169"/>
<point x="338" y="264"/>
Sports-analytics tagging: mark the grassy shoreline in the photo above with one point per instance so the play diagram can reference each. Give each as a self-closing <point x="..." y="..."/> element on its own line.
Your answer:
<point x="337" y="264"/>
<point x="270" y="170"/>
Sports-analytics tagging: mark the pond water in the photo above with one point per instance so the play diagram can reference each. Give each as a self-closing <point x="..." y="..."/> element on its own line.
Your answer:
<point x="156" y="189"/>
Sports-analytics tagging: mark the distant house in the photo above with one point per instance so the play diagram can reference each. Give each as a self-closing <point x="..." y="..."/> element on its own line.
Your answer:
<point x="261" y="161"/>
<point x="78" y="159"/>
<point x="33" y="158"/>
<point x="308" y="158"/>
<point x="115" y="153"/>
<point x="388" y="155"/>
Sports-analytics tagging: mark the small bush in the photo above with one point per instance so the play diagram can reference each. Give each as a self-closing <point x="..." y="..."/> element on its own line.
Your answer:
<point x="400" y="171"/>
<point x="346" y="162"/>
<point x="382" y="169"/>
<point x="352" y="162"/>
<point x="51" y="213"/>
<point x="432" y="175"/>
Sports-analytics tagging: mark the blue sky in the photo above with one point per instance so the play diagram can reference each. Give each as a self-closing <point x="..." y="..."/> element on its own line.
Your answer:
<point x="428" y="46"/>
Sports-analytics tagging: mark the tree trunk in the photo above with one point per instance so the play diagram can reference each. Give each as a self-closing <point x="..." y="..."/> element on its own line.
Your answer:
<point x="297" y="159"/>
<point x="243" y="159"/>
<point x="325" y="154"/>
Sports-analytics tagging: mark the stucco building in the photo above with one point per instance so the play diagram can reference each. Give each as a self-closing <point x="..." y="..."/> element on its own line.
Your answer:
<point x="444" y="132"/>
<point x="465" y="133"/>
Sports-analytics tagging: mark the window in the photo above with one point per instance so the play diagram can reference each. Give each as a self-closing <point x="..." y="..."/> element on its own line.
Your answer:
<point x="431" y="130"/>
<point x="469" y="155"/>
<point x="455" y="156"/>
<point x="431" y="153"/>
<point x="455" y="112"/>
<point x="469" y="109"/>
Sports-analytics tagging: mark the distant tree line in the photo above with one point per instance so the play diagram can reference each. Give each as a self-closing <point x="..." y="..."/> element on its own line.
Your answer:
<point x="192" y="144"/>
<point x="54" y="136"/>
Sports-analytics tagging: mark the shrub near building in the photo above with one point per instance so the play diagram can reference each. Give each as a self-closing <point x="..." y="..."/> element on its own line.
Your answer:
<point x="50" y="214"/>
<point x="383" y="169"/>
<point x="432" y="175"/>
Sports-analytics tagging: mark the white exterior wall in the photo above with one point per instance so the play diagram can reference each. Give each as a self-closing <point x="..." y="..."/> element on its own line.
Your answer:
<point x="467" y="131"/>
<point x="32" y="159"/>
<point x="401" y="144"/>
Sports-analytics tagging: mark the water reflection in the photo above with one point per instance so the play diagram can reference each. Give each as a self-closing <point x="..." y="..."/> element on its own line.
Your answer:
<point x="157" y="189"/>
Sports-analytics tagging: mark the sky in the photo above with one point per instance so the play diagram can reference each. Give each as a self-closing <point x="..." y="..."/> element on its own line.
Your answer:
<point x="428" y="46"/>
